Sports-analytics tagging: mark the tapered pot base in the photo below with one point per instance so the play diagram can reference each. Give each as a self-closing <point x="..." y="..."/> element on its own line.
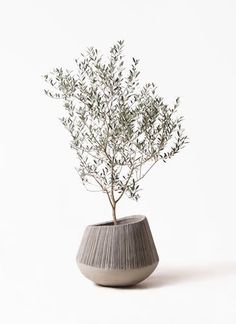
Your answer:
<point x="116" y="277"/>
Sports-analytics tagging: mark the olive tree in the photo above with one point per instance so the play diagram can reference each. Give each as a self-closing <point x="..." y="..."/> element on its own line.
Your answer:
<point x="119" y="129"/>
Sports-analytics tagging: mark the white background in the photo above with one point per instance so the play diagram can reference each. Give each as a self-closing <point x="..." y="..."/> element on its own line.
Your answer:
<point x="188" y="49"/>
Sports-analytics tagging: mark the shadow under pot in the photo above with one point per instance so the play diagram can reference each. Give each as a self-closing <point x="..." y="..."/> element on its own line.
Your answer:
<point x="118" y="255"/>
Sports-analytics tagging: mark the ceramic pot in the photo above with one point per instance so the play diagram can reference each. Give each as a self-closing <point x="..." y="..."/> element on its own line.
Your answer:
<point x="118" y="255"/>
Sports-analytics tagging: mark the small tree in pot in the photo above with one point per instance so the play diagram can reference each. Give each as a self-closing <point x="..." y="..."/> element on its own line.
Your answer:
<point x="119" y="130"/>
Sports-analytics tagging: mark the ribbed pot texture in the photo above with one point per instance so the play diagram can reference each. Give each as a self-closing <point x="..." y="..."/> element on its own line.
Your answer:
<point x="118" y="255"/>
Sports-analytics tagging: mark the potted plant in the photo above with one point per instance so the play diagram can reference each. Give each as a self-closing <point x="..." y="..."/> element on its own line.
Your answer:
<point x="119" y="132"/>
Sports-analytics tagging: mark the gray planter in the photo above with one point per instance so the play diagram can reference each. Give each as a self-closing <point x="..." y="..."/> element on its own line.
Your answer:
<point x="118" y="255"/>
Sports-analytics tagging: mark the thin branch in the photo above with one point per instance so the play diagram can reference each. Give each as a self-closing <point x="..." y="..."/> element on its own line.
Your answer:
<point x="126" y="184"/>
<point x="95" y="139"/>
<point x="147" y="171"/>
<point x="156" y="160"/>
<point x="88" y="152"/>
<point x="109" y="198"/>
<point x="89" y="172"/>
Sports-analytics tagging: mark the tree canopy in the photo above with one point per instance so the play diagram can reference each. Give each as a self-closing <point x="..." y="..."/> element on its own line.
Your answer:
<point x="119" y="129"/>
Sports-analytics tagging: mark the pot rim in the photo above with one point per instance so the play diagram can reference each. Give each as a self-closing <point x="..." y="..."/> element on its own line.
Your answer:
<point x="133" y="219"/>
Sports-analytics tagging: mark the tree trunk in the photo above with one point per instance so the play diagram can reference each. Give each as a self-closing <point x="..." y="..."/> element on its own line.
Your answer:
<point x="114" y="214"/>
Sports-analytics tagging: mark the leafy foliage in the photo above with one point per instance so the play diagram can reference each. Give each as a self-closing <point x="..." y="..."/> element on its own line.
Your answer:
<point x="119" y="130"/>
